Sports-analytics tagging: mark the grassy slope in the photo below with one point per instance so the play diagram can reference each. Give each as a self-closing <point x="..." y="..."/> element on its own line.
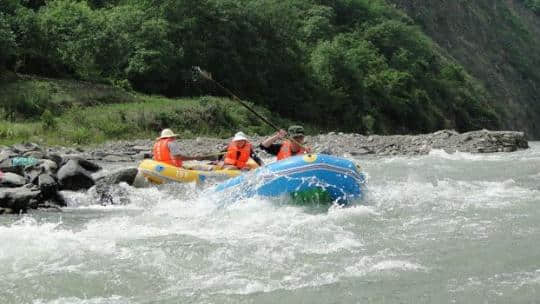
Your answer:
<point x="86" y="113"/>
<point x="498" y="42"/>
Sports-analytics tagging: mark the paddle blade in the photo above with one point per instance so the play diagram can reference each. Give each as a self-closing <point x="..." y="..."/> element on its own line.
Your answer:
<point x="198" y="72"/>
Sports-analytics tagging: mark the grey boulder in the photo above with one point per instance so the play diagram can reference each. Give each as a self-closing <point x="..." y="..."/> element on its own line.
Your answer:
<point x="9" y="179"/>
<point x="85" y="164"/>
<point x="125" y="175"/>
<point x="74" y="177"/>
<point x="19" y="199"/>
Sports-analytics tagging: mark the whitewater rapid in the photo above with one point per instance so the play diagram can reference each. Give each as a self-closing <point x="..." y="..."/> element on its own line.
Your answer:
<point x="437" y="228"/>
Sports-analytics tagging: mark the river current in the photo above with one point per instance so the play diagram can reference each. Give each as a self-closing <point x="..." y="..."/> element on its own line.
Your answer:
<point x="440" y="228"/>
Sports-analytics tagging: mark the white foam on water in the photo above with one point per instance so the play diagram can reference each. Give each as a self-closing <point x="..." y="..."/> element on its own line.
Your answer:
<point x="439" y="153"/>
<point x="189" y="243"/>
<point x="270" y="235"/>
<point x="104" y="208"/>
<point x="380" y="263"/>
<point x="451" y="194"/>
<point x="96" y="300"/>
<point x="398" y="265"/>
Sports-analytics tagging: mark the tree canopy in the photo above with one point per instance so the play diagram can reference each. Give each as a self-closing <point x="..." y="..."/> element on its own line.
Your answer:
<point x="356" y="65"/>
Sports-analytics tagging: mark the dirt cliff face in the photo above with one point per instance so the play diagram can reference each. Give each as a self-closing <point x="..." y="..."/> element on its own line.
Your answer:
<point x="498" y="42"/>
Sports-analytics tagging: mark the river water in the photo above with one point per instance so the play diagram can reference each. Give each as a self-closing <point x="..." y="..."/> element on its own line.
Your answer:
<point x="441" y="228"/>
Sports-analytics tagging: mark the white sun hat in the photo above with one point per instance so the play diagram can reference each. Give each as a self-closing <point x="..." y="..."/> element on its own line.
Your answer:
<point x="167" y="133"/>
<point x="239" y="136"/>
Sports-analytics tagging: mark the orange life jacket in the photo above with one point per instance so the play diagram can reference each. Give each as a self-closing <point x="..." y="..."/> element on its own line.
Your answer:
<point x="238" y="157"/>
<point x="163" y="154"/>
<point x="286" y="150"/>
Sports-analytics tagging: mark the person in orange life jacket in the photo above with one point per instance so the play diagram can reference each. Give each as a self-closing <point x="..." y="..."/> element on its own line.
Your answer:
<point x="239" y="152"/>
<point x="288" y="147"/>
<point x="167" y="150"/>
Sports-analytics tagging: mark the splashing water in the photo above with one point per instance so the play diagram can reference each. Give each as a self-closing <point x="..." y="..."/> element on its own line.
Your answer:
<point x="438" y="228"/>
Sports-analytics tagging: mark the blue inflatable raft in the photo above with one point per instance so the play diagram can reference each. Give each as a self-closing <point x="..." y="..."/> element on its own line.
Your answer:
<point x="306" y="177"/>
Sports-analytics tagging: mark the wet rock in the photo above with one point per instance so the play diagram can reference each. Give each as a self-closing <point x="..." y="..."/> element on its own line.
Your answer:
<point x="49" y="190"/>
<point x="31" y="173"/>
<point x="7" y="166"/>
<point x="73" y="176"/>
<point x="20" y="198"/>
<point x="86" y="164"/>
<point x="124" y="175"/>
<point x="48" y="185"/>
<point x="6" y="211"/>
<point x="48" y="166"/>
<point x="107" y="194"/>
<point x="55" y="158"/>
<point x="9" y="179"/>
<point x="107" y="191"/>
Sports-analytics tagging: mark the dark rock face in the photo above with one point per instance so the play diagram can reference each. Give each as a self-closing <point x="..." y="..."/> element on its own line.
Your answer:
<point x="55" y="158"/>
<point x="19" y="199"/>
<point x="107" y="189"/>
<point x="48" y="185"/>
<point x="85" y="164"/>
<point x="74" y="177"/>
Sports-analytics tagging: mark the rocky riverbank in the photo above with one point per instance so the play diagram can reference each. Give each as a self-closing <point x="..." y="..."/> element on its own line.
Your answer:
<point x="33" y="177"/>
<point x="481" y="141"/>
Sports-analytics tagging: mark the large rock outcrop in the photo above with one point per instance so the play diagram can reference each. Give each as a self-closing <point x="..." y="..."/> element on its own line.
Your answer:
<point x="73" y="176"/>
<point x="28" y="177"/>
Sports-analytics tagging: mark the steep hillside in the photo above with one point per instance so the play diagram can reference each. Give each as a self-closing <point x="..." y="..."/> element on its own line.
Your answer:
<point x="498" y="42"/>
<point x="349" y="65"/>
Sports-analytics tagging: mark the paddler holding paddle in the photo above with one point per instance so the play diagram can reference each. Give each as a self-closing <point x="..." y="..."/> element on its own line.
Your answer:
<point x="287" y="147"/>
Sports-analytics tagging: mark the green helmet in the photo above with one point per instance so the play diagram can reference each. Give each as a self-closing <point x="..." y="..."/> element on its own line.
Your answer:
<point x="296" y="131"/>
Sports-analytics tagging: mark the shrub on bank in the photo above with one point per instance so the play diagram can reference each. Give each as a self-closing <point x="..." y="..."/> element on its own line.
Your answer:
<point x="207" y="116"/>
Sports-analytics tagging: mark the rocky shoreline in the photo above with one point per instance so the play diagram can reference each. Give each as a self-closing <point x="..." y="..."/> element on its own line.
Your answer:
<point x="33" y="177"/>
<point x="482" y="141"/>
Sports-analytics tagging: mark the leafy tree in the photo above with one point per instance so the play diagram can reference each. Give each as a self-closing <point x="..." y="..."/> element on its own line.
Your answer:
<point x="70" y="27"/>
<point x="7" y="41"/>
<point x="358" y="65"/>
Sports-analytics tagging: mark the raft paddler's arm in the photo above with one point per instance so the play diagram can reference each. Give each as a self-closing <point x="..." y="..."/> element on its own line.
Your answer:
<point x="272" y="149"/>
<point x="272" y="139"/>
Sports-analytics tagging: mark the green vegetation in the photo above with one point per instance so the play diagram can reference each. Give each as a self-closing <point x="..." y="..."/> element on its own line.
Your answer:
<point x="534" y="5"/>
<point x="143" y="118"/>
<point x="27" y="98"/>
<point x="354" y="65"/>
<point x="498" y="42"/>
